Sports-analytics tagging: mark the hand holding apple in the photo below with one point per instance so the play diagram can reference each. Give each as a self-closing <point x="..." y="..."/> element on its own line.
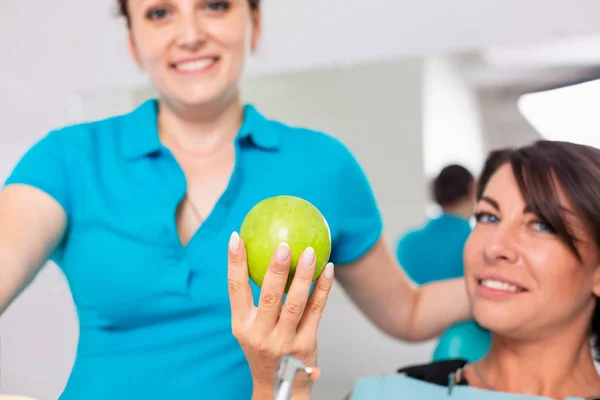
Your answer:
<point x="271" y="330"/>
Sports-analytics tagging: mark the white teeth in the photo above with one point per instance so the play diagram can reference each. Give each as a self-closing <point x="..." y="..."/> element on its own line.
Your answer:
<point x="499" y="285"/>
<point x="195" y="65"/>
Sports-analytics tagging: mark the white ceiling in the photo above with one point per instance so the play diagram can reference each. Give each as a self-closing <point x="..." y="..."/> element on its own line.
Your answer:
<point x="567" y="51"/>
<point x="542" y="64"/>
<point x="82" y="43"/>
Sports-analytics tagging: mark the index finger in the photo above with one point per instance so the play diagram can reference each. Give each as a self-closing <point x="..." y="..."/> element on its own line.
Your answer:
<point x="240" y="293"/>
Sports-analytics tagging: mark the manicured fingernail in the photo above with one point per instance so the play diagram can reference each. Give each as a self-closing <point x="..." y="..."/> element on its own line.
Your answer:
<point x="234" y="242"/>
<point x="283" y="251"/>
<point x="308" y="257"/>
<point x="329" y="271"/>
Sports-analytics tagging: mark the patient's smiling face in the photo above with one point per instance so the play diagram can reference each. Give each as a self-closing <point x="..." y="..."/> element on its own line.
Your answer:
<point x="523" y="280"/>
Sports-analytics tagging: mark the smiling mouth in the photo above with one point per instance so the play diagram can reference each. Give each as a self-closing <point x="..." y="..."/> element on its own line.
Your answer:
<point x="196" y="65"/>
<point x="501" y="286"/>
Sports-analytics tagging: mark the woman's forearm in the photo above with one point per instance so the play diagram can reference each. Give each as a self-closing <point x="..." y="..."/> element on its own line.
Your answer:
<point x="439" y="305"/>
<point x="383" y="292"/>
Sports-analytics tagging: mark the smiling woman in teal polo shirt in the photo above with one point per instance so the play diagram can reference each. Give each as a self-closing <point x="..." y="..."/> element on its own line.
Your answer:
<point x="137" y="211"/>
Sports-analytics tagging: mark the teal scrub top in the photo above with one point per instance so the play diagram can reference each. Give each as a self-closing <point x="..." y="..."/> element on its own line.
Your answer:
<point x="154" y="315"/>
<point x="435" y="251"/>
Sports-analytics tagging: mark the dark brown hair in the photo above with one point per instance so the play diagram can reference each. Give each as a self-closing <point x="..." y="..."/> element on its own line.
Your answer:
<point x="542" y="171"/>
<point x="452" y="184"/>
<point x="124" y="9"/>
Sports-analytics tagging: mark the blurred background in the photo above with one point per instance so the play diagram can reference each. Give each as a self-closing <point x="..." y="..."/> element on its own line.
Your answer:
<point x="409" y="87"/>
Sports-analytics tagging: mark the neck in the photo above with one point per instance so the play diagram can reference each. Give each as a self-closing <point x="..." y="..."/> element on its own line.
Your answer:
<point x="200" y="130"/>
<point x="556" y="367"/>
<point x="463" y="209"/>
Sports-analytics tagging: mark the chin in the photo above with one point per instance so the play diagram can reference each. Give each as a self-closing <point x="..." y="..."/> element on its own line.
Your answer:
<point x="203" y="99"/>
<point x="499" y="320"/>
<point x="203" y="91"/>
<point x="197" y="96"/>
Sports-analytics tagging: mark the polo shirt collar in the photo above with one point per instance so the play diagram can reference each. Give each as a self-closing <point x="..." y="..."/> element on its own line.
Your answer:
<point x="140" y="131"/>
<point x="141" y="138"/>
<point x="258" y="130"/>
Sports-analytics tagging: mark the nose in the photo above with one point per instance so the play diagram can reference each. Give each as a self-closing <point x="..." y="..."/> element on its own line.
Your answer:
<point x="501" y="246"/>
<point x="191" y="33"/>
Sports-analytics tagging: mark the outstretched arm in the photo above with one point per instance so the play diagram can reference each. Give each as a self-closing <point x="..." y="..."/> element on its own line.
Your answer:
<point x="31" y="225"/>
<point x="385" y="294"/>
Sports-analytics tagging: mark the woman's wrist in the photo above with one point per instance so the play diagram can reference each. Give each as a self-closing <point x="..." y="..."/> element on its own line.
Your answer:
<point x="261" y="393"/>
<point x="304" y="395"/>
<point x="294" y="396"/>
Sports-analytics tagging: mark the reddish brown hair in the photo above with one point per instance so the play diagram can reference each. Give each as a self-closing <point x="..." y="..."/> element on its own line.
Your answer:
<point x="124" y="9"/>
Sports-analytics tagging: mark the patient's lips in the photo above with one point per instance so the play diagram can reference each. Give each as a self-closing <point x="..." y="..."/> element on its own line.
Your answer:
<point x="496" y="287"/>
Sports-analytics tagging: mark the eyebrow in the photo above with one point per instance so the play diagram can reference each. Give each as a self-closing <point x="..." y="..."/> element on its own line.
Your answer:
<point x="491" y="202"/>
<point x="526" y="210"/>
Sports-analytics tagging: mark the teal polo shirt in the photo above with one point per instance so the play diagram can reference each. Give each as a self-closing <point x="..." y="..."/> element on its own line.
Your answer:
<point x="154" y="316"/>
<point x="434" y="252"/>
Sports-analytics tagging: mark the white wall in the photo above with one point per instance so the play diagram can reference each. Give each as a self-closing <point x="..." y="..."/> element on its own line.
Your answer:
<point x="502" y="123"/>
<point x="451" y="119"/>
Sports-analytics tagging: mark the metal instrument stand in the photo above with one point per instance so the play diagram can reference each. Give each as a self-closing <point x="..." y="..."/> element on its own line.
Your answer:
<point x="286" y="373"/>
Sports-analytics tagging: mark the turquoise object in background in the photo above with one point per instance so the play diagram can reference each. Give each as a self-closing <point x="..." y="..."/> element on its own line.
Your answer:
<point x="465" y="340"/>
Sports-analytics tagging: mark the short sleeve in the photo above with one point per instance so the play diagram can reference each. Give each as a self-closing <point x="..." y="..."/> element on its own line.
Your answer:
<point x="402" y="249"/>
<point x="358" y="217"/>
<point x="44" y="167"/>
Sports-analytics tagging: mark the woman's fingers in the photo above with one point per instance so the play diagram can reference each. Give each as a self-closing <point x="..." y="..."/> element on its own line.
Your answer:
<point x="240" y="293"/>
<point x="273" y="288"/>
<point x="297" y="297"/>
<point x="270" y="330"/>
<point x="309" y="323"/>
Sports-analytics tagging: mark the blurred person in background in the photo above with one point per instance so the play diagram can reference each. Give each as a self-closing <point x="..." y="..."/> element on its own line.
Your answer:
<point x="433" y="252"/>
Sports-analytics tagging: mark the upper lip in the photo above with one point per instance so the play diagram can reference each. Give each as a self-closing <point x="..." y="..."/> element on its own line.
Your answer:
<point x="192" y="59"/>
<point x="493" y="277"/>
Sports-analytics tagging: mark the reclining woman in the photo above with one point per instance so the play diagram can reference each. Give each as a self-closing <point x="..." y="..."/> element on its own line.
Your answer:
<point x="532" y="269"/>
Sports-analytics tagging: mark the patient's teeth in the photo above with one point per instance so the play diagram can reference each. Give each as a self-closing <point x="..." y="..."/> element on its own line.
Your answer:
<point x="499" y="285"/>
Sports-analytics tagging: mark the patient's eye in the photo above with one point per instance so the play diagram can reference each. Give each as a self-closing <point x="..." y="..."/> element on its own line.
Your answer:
<point x="485" y="218"/>
<point x="541" y="226"/>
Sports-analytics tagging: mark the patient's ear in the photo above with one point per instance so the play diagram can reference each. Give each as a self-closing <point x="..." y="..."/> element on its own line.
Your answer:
<point x="596" y="287"/>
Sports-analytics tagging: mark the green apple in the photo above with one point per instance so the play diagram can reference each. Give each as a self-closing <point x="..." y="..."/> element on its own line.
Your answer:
<point x="284" y="219"/>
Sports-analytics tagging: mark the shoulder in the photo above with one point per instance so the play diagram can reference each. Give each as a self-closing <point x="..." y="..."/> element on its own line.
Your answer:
<point x="91" y="136"/>
<point x="320" y="143"/>
<point x="436" y="372"/>
<point x="83" y="131"/>
<point x="458" y="223"/>
<point x="411" y="237"/>
<point x="413" y="233"/>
